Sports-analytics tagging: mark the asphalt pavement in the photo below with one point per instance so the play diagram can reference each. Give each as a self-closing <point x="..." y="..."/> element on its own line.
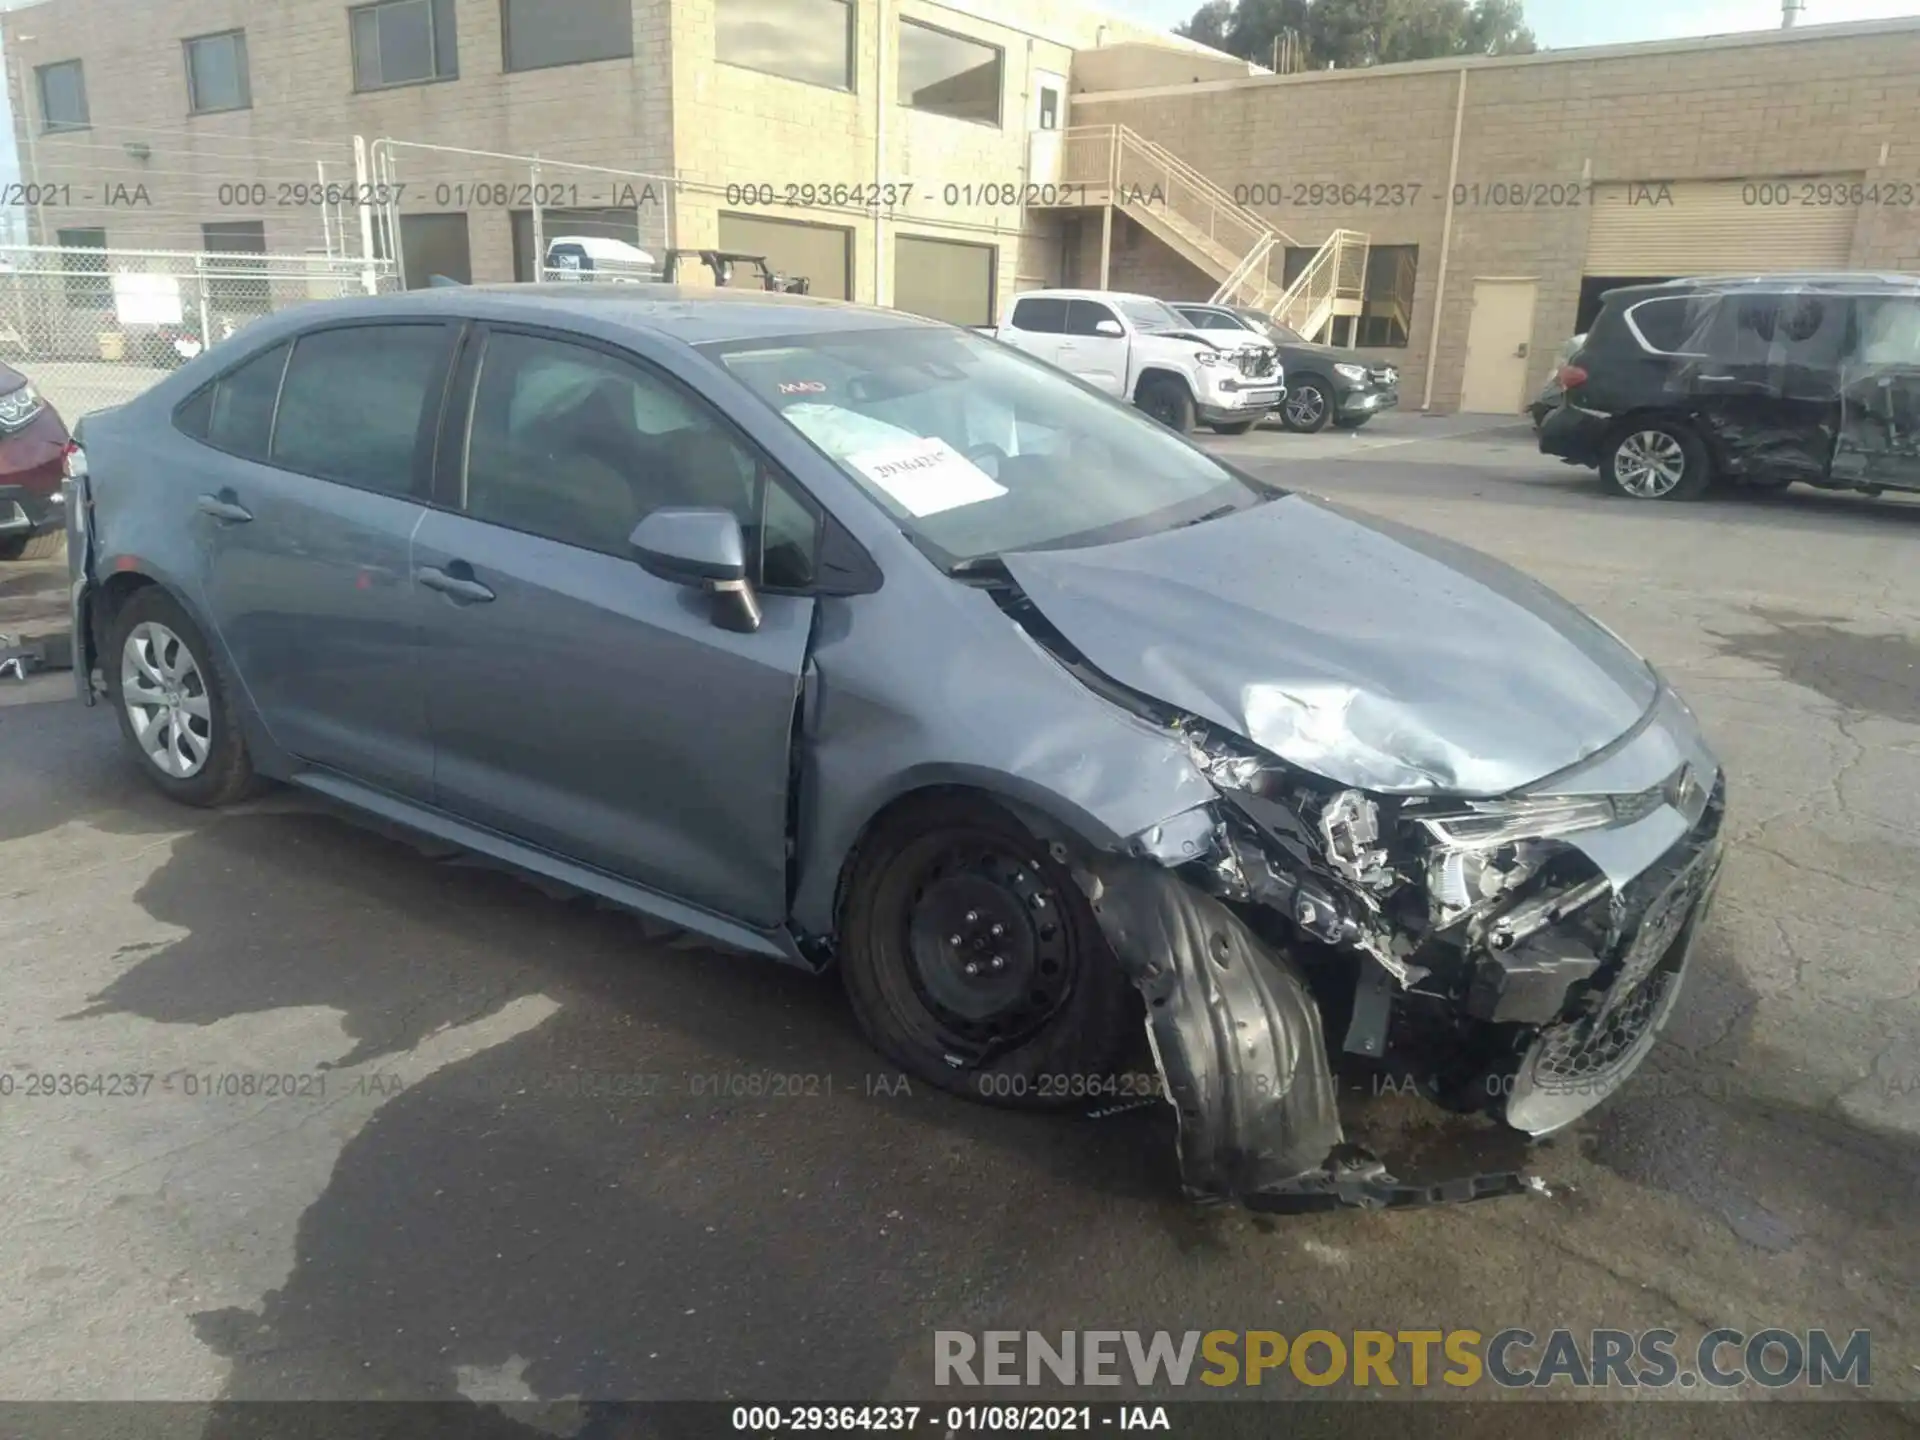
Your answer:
<point x="395" y="1125"/>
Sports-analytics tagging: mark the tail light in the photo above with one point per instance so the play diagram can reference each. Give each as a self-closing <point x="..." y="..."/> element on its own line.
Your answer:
<point x="73" y="463"/>
<point x="1571" y="375"/>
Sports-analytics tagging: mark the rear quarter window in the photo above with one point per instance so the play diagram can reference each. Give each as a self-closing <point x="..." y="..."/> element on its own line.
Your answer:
<point x="1669" y="325"/>
<point x="235" y="412"/>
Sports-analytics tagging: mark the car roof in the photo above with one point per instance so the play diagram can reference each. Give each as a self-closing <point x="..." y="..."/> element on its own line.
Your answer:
<point x="1831" y="282"/>
<point x="1087" y="295"/>
<point x="692" y="315"/>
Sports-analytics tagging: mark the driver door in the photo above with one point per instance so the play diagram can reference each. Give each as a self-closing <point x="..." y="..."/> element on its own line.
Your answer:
<point x="578" y="703"/>
<point x="1099" y="359"/>
<point x="1879" y="430"/>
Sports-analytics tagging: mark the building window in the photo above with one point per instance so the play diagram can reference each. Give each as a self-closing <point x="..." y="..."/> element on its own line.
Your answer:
<point x="403" y="42"/>
<point x="217" y="73"/>
<point x="237" y="283"/>
<point x="821" y="253"/>
<point x="947" y="74"/>
<point x="808" y="40"/>
<point x="1386" y="308"/>
<point x="433" y="245"/>
<point x="944" y="280"/>
<point x="85" y="277"/>
<point x="541" y="33"/>
<point x="63" y="96"/>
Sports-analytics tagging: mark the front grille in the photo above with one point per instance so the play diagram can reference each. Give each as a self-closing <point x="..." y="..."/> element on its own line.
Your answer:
<point x="1589" y="1049"/>
<point x="1256" y="364"/>
<point x="1384" y="375"/>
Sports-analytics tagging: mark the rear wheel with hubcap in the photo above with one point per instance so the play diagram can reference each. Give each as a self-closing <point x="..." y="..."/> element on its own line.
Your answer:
<point x="1657" y="460"/>
<point x="172" y="704"/>
<point x="973" y="960"/>
<point x="1306" y="408"/>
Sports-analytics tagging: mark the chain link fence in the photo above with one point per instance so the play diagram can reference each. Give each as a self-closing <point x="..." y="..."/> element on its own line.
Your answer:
<point x="92" y="328"/>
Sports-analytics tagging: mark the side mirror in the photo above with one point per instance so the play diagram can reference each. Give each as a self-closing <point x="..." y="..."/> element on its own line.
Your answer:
<point x="704" y="550"/>
<point x="1109" y="327"/>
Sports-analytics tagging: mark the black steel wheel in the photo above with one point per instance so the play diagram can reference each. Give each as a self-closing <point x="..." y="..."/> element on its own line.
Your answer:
<point x="1166" y="400"/>
<point x="973" y="960"/>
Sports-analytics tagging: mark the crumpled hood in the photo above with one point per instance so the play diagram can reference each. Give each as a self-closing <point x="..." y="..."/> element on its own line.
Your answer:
<point x="1371" y="654"/>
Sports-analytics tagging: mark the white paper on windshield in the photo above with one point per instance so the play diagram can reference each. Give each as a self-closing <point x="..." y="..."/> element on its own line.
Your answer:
<point x="926" y="476"/>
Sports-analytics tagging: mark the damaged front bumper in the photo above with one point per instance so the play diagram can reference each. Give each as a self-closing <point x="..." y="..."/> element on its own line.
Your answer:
<point x="1528" y="1007"/>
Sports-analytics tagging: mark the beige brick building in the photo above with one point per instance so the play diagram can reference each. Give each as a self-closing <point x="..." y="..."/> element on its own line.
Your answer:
<point x="1767" y="151"/>
<point x="223" y="112"/>
<point x="1458" y="217"/>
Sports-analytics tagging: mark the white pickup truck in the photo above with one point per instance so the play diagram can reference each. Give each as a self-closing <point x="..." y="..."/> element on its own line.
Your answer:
<point x="1140" y="349"/>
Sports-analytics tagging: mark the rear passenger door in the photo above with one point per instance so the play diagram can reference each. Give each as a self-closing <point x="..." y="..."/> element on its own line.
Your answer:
<point x="578" y="703"/>
<point x="1770" y="380"/>
<point x="1038" y="326"/>
<point x="317" y="455"/>
<point x="1879" y="442"/>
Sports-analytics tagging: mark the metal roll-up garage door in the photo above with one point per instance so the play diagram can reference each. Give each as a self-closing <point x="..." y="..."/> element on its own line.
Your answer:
<point x="1705" y="227"/>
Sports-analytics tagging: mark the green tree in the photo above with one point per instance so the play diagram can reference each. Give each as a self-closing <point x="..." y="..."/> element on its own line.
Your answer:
<point x="1350" y="33"/>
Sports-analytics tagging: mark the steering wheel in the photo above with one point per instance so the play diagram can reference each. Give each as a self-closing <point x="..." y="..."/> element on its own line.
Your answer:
<point x="987" y="455"/>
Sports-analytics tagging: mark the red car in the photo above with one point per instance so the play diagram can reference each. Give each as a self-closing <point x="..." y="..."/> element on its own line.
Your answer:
<point x="33" y="448"/>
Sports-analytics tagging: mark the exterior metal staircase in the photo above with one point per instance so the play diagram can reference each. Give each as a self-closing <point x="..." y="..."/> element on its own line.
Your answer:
<point x="1111" y="165"/>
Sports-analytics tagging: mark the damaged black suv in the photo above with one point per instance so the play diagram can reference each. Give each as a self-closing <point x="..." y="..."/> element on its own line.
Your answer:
<point x="1758" y="380"/>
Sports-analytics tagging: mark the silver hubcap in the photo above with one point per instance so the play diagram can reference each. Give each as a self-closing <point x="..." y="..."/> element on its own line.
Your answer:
<point x="1649" y="464"/>
<point x="166" y="700"/>
<point x="1304" y="406"/>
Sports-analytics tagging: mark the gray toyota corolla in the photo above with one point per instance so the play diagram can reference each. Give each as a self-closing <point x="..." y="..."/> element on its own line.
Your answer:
<point x="847" y="637"/>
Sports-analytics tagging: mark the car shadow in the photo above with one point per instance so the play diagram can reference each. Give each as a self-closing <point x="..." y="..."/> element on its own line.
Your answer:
<point x="617" y="1201"/>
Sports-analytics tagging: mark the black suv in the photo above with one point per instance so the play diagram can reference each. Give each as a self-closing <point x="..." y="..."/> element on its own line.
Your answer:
<point x="1323" y="383"/>
<point x="1758" y="379"/>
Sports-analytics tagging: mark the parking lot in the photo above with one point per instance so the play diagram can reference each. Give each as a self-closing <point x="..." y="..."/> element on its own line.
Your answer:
<point x="517" y="1148"/>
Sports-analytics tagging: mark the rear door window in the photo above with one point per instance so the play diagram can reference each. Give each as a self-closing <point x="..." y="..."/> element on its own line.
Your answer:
<point x="359" y="405"/>
<point x="1889" y="333"/>
<point x="1041" y="316"/>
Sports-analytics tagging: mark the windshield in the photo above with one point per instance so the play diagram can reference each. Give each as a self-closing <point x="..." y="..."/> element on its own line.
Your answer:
<point x="1274" y="328"/>
<point x="974" y="449"/>
<point x="1151" y="314"/>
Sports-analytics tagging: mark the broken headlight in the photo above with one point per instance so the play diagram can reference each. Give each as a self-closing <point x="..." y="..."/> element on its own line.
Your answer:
<point x="1487" y="824"/>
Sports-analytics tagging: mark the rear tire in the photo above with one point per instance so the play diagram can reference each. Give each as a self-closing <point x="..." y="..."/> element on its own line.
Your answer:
<point x="1037" y="1033"/>
<point x="33" y="547"/>
<point x="1230" y="427"/>
<point x="1167" y="401"/>
<point x="1657" y="460"/>
<point x="173" y="704"/>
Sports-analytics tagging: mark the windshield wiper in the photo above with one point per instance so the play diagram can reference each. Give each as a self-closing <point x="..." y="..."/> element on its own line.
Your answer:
<point x="990" y="567"/>
<point x="1218" y="513"/>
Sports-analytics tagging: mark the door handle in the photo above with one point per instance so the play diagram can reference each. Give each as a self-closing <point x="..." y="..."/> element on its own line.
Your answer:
<point x="1722" y="379"/>
<point x="461" y="588"/>
<point x="224" y="507"/>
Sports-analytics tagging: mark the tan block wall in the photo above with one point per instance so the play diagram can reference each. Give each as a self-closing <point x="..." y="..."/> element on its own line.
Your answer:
<point x="1815" y="104"/>
<point x="613" y="113"/>
<point x="670" y="109"/>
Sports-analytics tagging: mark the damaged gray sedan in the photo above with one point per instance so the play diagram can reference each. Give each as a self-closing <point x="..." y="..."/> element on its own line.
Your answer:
<point x="845" y="637"/>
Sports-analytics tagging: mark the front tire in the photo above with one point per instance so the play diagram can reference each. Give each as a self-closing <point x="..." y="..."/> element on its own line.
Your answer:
<point x="1657" y="460"/>
<point x="173" y="705"/>
<point x="1308" y="406"/>
<point x="1230" y="427"/>
<point x="973" y="961"/>
<point x="1354" y="423"/>
<point x="1167" y="401"/>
